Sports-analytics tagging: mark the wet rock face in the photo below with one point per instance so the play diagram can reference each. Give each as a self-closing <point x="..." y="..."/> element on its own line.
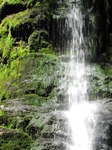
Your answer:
<point x="45" y="124"/>
<point x="100" y="78"/>
<point x="34" y="111"/>
<point x="103" y="129"/>
<point x="100" y="16"/>
<point x="59" y="33"/>
<point x="33" y="107"/>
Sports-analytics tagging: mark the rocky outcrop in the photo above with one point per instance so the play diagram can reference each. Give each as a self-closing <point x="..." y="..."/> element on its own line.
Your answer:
<point x="13" y="139"/>
<point x="29" y="75"/>
<point x="101" y="31"/>
<point x="100" y="78"/>
<point x="103" y="128"/>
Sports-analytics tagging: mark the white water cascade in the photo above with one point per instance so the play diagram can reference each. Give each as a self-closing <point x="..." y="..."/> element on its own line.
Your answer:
<point x="81" y="112"/>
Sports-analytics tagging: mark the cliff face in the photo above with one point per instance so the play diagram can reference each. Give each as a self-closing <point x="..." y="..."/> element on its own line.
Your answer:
<point x="30" y="69"/>
<point x="24" y="32"/>
<point x="98" y="20"/>
<point x="101" y="19"/>
<point x="28" y="74"/>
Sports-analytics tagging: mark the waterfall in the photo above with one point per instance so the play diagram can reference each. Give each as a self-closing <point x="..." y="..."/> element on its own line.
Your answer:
<point x="80" y="113"/>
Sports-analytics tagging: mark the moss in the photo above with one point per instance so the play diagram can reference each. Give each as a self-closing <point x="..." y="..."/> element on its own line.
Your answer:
<point x="28" y="3"/>
<point x="32" y="3"/>
<point x="38" y="40"/>
<point x="14" y="30"/>
<point x="34" y="41"/>
<point x="100" y="81"/>
<point x="1" y="112"/>
<point x="13" y="139"/>
<point x="42" y="75"/>
<point x="10" y="1"/>
<point x="50" y="7"/>
<point x="47" y="50"/>
<point x="47" y="131"/>
<point x="37" y="125"/>
<point x="93" y="19"/>
<point x="8" y="121"/>
<point x="9" y="76"/>
<point x="26" y="17"/>
<point x="11" y="72"/>
<point x="34" y="99"/>
<point x="20" y="51"/>
<point x="6" y="44"/>
<point x="28" y="71"/>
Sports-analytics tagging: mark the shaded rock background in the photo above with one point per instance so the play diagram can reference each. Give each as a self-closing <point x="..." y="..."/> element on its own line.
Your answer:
<point x="101" y="28"/>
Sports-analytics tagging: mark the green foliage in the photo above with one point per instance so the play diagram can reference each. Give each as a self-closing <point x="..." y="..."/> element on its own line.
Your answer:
<point x="34" y="41"/>
<point x="9" y="76"/>
<point x="38" y="41"/>
<point x="43" y="76"/>
<point x="47" y="50"/>
<point x="50" y="7"/>
<point x="3" y="2"/>
<point x="13" y="139"/>
<point x="27" y="3"/>
<point x="93" y="20"/>
<point x="6" y="44"/>
<point x="3" y="83"/>
<point x="10" y="73"/>
<point x="34" y="99"/>
<point x="21" y="51"/>
<point x="1" y="112"/>
<point x="32" y="3"/>
<point x="25" y="74"/>
<point x="37" y="4"/>
<point x="100" y="81"/>
<point x="15" y="20"/>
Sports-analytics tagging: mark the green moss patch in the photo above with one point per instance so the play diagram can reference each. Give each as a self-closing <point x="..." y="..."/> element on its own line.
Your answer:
<point x="1" y="112"/>
<point x="31" y="76"/>
<point x="21" y="21"/>
<point x="14" y="140"/>
<point x="100" y="81"/>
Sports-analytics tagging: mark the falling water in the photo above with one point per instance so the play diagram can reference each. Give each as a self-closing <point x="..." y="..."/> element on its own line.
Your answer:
<point x="81" y="112"/>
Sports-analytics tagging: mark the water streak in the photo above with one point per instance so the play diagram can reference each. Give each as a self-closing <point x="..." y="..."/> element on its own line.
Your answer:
<point x="81" y="113"/>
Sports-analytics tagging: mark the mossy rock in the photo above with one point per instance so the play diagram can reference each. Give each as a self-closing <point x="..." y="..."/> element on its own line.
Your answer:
<point x="28" y="79"/>
<point x="49" y="144"/>
<point x="100" y="81"/>
<point x="38" y="40"/>
<point x="42" y="125"/>
<point x="21" y="24"/>
<point x="14" y="140"/>
<point x="8" y="121"/>
<point x="8" y="7"/>
<point x="43" y="72"/>
<point x="35" y="75"/>
<point x="33" y="99"/>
